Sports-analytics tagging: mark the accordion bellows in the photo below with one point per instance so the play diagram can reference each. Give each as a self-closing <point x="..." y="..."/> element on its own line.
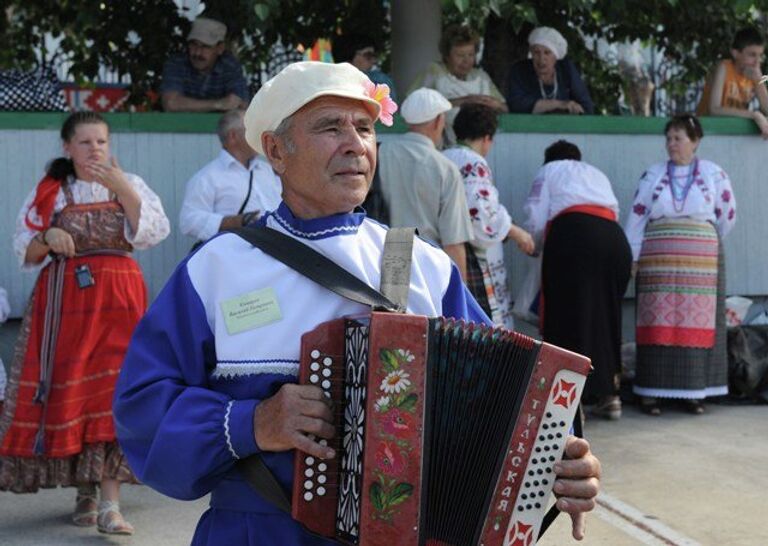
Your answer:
<point x="447" y="431"/>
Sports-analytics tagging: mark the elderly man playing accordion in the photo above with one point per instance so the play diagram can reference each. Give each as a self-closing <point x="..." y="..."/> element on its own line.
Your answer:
<point x="203" y="387"/>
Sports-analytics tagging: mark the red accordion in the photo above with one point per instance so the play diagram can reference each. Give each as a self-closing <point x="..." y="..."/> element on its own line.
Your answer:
<point x="447" y="431"/>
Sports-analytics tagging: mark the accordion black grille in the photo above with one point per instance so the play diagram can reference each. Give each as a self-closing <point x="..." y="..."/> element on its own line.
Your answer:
<point x="478" y="377"/>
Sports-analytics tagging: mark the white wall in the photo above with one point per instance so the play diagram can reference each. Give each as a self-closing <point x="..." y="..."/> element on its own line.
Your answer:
<point x="166" y="161"/>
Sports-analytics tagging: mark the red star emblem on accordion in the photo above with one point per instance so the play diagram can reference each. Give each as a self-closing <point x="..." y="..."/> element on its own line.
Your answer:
<point x="520" y="535"/>
<point x="564" y="393"/>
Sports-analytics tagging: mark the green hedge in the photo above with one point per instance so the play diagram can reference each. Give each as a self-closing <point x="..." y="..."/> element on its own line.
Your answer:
<point x="159" y="122"/>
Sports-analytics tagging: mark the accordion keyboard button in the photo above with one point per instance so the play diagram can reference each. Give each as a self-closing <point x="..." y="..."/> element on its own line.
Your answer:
<point x="315" y="354"/>
<point x="309" y="472"/>
<point x="327" y="361"/>
<point x="314" y="378"/>
<point x="308" y="496"/>
<point x="321" y="479"/>
<point x="326" y="384"/>
<point x="327" y="372"/>
<point x="314" y="366"/>
<point x="320" y="491"/>
<point x="323" y="443"/>
<point x="310" y="461"/>
<point x="309" y="484"/>
<point x="322" y="467"/>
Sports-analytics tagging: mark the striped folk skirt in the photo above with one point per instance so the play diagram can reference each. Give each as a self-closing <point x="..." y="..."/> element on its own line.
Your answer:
<point x="57" y="427"/>
<point x="681" y="341"/>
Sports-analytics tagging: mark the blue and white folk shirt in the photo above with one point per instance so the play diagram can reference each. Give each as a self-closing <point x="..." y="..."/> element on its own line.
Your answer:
<point x="191" y="380"/>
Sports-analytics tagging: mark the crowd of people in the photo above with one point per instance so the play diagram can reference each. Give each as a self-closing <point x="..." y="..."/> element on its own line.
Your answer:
<point x="180" y="404"/>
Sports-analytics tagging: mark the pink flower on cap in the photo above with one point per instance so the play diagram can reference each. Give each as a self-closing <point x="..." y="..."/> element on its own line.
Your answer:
<point x="380" y="93"/>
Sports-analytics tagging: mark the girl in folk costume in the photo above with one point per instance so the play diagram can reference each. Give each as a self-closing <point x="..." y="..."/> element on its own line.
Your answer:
<point x="682" y="210"/>
<point x="572" y="213"/>
<point x="79" y="226"/>
<point x="475" y="126"/>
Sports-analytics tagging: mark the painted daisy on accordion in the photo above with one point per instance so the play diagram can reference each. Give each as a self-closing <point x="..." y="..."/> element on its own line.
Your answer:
<point x="382" y="404"/>
<point x="395" y="382"/>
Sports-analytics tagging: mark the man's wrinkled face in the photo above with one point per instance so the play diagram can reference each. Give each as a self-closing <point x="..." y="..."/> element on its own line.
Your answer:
<point x="203" y="57"/>
<point x="329" y="157"/>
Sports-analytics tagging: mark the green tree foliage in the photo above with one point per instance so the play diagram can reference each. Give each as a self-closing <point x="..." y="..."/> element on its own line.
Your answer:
<point x="692" y="34"/>
<point x="135" y="37"/>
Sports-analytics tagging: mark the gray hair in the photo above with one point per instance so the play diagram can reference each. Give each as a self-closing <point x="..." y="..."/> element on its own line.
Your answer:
<point x="283" y="130"/>
<point x="229" y="121"/>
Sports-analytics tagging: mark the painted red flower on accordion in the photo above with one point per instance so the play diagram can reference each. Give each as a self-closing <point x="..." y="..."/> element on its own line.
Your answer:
<point x="397" y="423"/>
<point x="389" y="460"/>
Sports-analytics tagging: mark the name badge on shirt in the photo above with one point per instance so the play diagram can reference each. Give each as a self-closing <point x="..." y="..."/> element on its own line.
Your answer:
<point x="250" y="311"/>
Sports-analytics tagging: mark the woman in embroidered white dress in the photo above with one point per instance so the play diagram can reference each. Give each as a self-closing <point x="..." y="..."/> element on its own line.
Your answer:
<point x="78" y="228"/>
<point x="682" y="210"/>
<point x="458" y="79"/>
<point x="475" y="126"/>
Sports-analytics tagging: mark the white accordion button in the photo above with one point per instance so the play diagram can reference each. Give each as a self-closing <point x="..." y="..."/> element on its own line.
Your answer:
<point x="308" y="496"/>
<point x="322" y="467"/>
<point x="326" y="384"/>
<point x="314" y="378"/>
<point x="327" y="361"/>
<point x="309" y="472"/>
<point x="310" y="461"/>
<point x="315" y="353"/>
<point x="326" y="372"/>
<point x="320" y="491"/>
<point x="314" y="366"/>
<point x="309" y="484"/>
<point x="323" y="442"/>
<point x="321" y="478"/>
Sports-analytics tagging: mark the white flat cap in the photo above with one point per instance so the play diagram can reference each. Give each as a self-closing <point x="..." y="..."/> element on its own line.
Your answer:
<point x="207" y="31"/>
<point x="423" y="105"/>
<point x="551" y="39"/>
<point x="298" y="84"/>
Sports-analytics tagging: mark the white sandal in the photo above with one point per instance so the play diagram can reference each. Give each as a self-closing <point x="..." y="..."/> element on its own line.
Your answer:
<point x="112" y="524"/>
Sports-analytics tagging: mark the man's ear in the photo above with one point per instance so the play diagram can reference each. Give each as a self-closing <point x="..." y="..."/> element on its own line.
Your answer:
<point x="274" y="151"/>
<point x="220" y="48"/>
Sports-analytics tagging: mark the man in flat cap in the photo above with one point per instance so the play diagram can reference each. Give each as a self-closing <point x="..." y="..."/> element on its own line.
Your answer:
<point x="423" y="188"/>
<point x="207" y="77"/>
<point x="203" y="386"/>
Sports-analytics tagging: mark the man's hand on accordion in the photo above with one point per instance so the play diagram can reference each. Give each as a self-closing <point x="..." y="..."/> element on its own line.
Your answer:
<point x="287" y="419"/>
<point x="578" y="482"/>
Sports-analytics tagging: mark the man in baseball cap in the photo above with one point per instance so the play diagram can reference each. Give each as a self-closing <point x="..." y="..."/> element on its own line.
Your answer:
<point x="209" y="378"/>
<point x="422" y="187"/>
<point x="207" y="77"/>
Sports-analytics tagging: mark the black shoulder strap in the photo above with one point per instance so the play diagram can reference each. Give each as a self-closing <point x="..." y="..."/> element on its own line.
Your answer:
<point x="315" y="266"/>
<point x="247" y="195"/>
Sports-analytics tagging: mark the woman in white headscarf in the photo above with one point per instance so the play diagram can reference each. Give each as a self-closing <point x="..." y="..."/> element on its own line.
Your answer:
<point x="547" y="82"/>
<point x="458" y="79"/>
